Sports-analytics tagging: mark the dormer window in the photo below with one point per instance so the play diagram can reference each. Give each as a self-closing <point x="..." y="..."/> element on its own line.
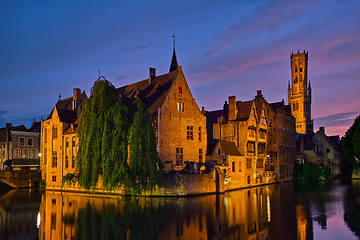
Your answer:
<point x="180" y="90"/>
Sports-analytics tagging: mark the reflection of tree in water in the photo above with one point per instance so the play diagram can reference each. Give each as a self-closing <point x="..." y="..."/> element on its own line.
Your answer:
<point x="352" y="207"/>
<point x="134" y="221"/>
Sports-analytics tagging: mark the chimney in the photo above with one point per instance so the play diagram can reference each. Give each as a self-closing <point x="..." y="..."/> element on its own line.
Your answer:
<point x="259" y="92"/>
<point x="8" y="129"/>
<point x="76" y="98"/>
<point x="322" y="130"/>
<point x="232" y="107"/>
<point x="152" y="74"/>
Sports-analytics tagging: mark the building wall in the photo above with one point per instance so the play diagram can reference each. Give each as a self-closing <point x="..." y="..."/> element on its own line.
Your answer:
<point x="173" y="127"/>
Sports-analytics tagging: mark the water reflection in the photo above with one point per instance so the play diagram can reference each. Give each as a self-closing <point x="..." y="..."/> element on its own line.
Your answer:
<point x="282" y="211"/>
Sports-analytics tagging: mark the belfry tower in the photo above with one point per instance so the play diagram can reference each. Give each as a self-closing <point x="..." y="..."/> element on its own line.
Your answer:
<point x="299" y="92"/>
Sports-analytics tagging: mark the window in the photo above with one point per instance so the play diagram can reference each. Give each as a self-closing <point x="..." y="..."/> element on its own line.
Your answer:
<point x="261" y="149"/>
<point x="67" y="142"/>
<point x="251" y="147"/>
<point x="21" y="141"/>
<point x="53" y="201"/>
<point x="34" y="153"/>
<point x="251" y="132"/>
<point x="263" y="121"/>
<point x="248" y="163"/>
<point x="73" y="161"/>
<point x="300" y="69"/>
<point x="296" y="70"/>
<point x="297" y="106"/>
<point x="54" y="178"/>
<point x="66" y="161"/>
<point x="55" y="132"/>
<point x="30" y="142"/>
<point x="180" y="90"/>
<point x="262" y="134"/>
<point x="73" y="143"/>
<point x="199" y="133"/>
<point x="317" y="141"/>
<point x="46" y="135"/>
<point x="180" y="107"/>
<point x="270" y="124"/>
<point x="54" y="161"/>
<point x="233" y="166"/>
<point x="25" y="153"/>
<point x="179" y="156"/>
<point x="45" y="156"/>
<point x="189" y="132"/>
<point x="259" y="163"/>
<point x="200" y="155"/>
<point x="17" y="153"/>
<point x="294" y="107"/>
<point x="327" y="150"/>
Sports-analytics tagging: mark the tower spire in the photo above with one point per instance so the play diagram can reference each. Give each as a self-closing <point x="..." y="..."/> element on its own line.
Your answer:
<point x="174" y="64"/>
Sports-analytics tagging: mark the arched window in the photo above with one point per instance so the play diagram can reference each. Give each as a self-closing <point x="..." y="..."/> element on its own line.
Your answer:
<point x="30" y="141"/>
<point x="55" y="132"/>
<point x="17" y="153"/>
<point x="21" y="141"/>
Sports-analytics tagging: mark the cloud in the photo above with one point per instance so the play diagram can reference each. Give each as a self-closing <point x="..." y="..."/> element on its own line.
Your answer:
<point x="340" y="119"/>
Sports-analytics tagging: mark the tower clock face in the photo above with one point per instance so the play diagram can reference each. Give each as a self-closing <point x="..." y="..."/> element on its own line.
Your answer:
<point x="295" y="80"/>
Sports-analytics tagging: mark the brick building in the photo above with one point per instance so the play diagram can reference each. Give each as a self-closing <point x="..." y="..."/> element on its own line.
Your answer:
<point x="20" y="147"/>
<point x="59" y="140"/>
<point x="179" y="124"/>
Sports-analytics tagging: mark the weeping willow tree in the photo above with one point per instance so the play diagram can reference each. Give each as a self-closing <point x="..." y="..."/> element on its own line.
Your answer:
<point x="117" y="141"/>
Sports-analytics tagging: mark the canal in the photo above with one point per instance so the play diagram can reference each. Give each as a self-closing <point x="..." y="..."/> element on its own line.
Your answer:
<point x="280" y="211"/>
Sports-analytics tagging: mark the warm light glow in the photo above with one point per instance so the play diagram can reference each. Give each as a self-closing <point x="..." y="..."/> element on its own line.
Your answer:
<point x="38" y="219"/>
<point x="268" y="208"/>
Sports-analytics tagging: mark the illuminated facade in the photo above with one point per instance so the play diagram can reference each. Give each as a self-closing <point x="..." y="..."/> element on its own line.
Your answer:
<point x="299" y="92"/>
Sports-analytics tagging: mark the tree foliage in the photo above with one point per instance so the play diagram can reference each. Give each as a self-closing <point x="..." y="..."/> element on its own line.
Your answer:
<point x="311" y="172"/>
<point x="351" y="144"/>
<point x="117" y="141"/>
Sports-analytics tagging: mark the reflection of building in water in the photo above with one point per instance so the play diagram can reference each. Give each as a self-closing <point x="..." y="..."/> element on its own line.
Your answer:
<point x="18" y="217"/>
<point x="240" y="215"/>
<point x="301" y="222"/>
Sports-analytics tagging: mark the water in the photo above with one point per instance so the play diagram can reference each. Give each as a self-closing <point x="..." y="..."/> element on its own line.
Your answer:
<point x="281" y="211"/>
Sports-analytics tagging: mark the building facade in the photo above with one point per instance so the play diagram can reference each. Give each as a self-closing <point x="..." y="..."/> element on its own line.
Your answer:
<point x="20" y="147"/>
<point x="299" y="92"/>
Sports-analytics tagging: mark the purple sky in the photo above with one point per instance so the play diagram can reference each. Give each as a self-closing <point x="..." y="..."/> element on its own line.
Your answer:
<point x="226" y="48"/>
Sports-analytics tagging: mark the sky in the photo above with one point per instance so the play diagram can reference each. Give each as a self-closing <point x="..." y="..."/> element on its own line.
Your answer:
<point x="225" y="48"/>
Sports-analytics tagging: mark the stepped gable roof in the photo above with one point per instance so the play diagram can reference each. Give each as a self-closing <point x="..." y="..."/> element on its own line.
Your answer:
<point x="152" y="94"/>
<point x="229" y="148"/>
<point x="244" y="110"/>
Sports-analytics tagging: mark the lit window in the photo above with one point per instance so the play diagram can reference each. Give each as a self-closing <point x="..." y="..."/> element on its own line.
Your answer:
<point x="263" y="121"/>
<point x="179" y="156"/>
<point x="17" y="153"/>
<point x="34" y="153"/>
<point x="189" y="132"/>
<point x="180" y="107"/>
<point x="54" y="161"/>
<point x="25" y="153"/>
<point x="21" y="141"/>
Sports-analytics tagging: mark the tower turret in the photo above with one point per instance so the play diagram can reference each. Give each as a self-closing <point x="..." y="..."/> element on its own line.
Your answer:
<point x="299" y="94"/>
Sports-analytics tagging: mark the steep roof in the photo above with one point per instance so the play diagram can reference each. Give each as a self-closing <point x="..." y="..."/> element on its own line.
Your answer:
<point x="35" y="127"/>
<point x="244" y="110"/>
<point x="174" y="64"/>
<point x="229" y="148"/>
<point x="68" y="116"/>
<point x="214" y="115"/>
<point x="66" y="104"/>
<point x="151" y="93"/>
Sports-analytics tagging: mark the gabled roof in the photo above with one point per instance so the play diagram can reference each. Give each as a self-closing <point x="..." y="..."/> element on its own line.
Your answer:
<point x="244" y="110"/>
<point x="214" y="115"/>
<point x="35" y="127"/>
<point x="68" y="116"/>
<point x="229" y="148"/>
<point x="174" y="64"/>
<point x="152" y="94"/>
